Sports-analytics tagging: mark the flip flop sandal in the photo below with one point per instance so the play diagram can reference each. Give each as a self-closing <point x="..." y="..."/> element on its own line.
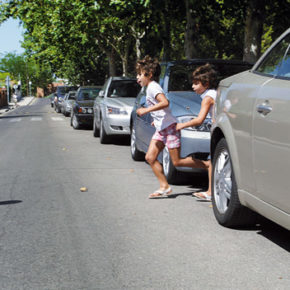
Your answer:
<point x="202" y="196"/>
<point x="160" y="193"/>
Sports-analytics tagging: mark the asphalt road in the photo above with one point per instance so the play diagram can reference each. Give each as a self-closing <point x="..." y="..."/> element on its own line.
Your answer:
<point x="53" y="236"/>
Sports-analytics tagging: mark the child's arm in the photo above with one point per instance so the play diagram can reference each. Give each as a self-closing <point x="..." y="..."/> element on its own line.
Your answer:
<point x="162" y="103"/>
<point x="206" y="104"/>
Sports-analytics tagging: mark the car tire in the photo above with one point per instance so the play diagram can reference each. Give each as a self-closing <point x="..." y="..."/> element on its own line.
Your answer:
<point x="75" y="122"/>
<point x="227" y="208"/>
<point x="104" y="138"/>
<point x="135" y="153"/>
<point x="96" y="131"/>
<point x="169" y="169"/>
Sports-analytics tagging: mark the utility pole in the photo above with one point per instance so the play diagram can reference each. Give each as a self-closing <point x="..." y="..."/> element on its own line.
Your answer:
<point x="8" y="89"/>
<point x="30" y="88"/>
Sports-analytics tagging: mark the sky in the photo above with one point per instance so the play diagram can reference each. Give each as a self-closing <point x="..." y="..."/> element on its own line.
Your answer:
<point x="10" y="37"/>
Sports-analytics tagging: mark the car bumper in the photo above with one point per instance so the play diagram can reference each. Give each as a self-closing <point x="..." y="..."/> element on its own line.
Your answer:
<point x="85" y="118"/>
<point x="193" y="142"/>
<point x="117" y="125"/>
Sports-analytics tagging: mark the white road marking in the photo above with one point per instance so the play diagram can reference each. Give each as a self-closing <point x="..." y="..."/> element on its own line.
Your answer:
<point x="57" y="119"/>
<point x="36" y="119"/>
<point x="15" y="120"/>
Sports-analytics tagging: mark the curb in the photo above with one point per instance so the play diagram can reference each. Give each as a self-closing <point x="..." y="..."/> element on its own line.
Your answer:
<point x="11" y="107"/>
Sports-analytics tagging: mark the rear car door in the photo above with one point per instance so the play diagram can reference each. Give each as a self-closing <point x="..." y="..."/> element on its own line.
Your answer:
<point x="144" y="129"/>
<point x="271" y="123"/>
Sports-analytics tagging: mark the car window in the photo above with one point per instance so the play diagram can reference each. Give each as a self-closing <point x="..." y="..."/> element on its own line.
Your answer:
<point x="124" y="89"/>
<point x="180" y="77"/>
<point x="87" y="95"/>
<point x="277" y="62"/>
<point x="71" y="96"/>
<point x="180" y="80"/>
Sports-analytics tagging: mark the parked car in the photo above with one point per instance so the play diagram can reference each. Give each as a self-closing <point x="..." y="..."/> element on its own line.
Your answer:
<point x="113" y="107"/>
<point x="82" y="110"/>
<point x="59" y="94"/>
<point x="250" y="141"/>
<point x="67" y="103"/>
<point x="185" y="104"/>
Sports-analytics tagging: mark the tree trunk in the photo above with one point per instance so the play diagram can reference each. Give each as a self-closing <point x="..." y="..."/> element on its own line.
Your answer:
<point x="138" y="36"/>
<point x="125" y="55"/>
<point x="166" y="38"/>
<point x="253" y="30"/>
<point x="190" y="31"/>
<point x="112" y="65"/>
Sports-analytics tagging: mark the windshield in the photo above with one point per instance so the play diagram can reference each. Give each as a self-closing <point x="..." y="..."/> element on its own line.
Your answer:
<point x="124" y="89"/>
<point x="88" y="94"/>
<point x="66" y="89"/>
<point x="180" y="78"/>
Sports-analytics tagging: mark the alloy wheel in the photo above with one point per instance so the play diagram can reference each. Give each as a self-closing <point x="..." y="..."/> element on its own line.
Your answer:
<point x="222" y="181"/>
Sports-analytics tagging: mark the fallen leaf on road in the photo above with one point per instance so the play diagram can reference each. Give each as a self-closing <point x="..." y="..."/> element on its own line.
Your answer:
<point x="83" y="189"/>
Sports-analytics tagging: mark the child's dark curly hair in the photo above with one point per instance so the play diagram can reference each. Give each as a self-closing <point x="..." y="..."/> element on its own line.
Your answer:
<point x="206" y="75"/>
<point x="149" y="65"/>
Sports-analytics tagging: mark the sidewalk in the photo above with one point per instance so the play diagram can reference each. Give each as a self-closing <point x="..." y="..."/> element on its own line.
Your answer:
<point x="23" y="102"/>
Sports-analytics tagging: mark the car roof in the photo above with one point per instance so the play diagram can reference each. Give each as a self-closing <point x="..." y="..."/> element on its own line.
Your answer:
<point x="205" y="60"/>
<point x="123" y="78"/>
<point x="90" y="87"/>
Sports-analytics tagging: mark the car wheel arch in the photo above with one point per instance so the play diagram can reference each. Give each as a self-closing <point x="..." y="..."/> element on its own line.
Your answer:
<point x="225" y="131"/>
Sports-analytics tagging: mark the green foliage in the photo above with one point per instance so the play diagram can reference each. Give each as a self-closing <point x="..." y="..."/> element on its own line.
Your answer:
<point x="77" y="40"/>
<point x="24" y="69"/>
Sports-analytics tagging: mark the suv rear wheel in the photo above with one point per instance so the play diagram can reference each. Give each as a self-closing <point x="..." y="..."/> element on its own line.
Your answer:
<point x="135" y="153"/>
<point x="169" y="169"/>
<point x="226" y="204"/>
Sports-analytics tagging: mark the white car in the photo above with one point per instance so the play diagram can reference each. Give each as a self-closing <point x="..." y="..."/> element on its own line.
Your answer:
<point x="113" y="107"/>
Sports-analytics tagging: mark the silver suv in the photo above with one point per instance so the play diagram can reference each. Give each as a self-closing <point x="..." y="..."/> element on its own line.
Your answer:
<point x="250" y="141"/>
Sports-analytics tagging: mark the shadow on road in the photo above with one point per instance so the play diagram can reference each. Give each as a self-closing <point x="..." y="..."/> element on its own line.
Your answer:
<point x="7" y="202"/>
<point x="275" y="233"/>
<point x="19" y="116"/>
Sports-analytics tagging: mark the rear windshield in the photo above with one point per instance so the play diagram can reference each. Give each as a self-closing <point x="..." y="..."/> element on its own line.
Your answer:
<point x="180" y="78"/>
<point x="88" y="94"/>
<point x="66" y="89"/>
<point x="124" y="89"/>
<point x="71" y="96"/>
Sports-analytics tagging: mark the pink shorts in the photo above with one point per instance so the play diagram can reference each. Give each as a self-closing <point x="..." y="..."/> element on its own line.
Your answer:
<point x="169" y="136"/>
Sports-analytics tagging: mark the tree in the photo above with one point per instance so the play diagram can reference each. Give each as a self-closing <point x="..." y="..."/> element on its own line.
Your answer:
<point x="25" y="69"/>
<point x="255" y="15"/>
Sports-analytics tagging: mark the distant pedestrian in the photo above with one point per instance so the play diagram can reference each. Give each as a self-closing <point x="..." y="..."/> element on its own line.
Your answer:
<point x="14" y="99"/>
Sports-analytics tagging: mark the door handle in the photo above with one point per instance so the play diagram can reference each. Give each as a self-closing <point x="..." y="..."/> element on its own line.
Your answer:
<point x="264" y="109"/>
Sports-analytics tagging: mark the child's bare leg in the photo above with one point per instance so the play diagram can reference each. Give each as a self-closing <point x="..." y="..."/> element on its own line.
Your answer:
<point x="187" y="161"/>
<point x="154" y="149"/>
<point x="194" y="163"/>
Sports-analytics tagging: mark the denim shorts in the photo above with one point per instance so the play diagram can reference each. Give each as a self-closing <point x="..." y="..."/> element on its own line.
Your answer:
<point x="169" y="136"/>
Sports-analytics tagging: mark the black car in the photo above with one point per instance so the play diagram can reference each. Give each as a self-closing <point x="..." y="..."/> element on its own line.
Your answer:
<point x="82" y="111"/>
